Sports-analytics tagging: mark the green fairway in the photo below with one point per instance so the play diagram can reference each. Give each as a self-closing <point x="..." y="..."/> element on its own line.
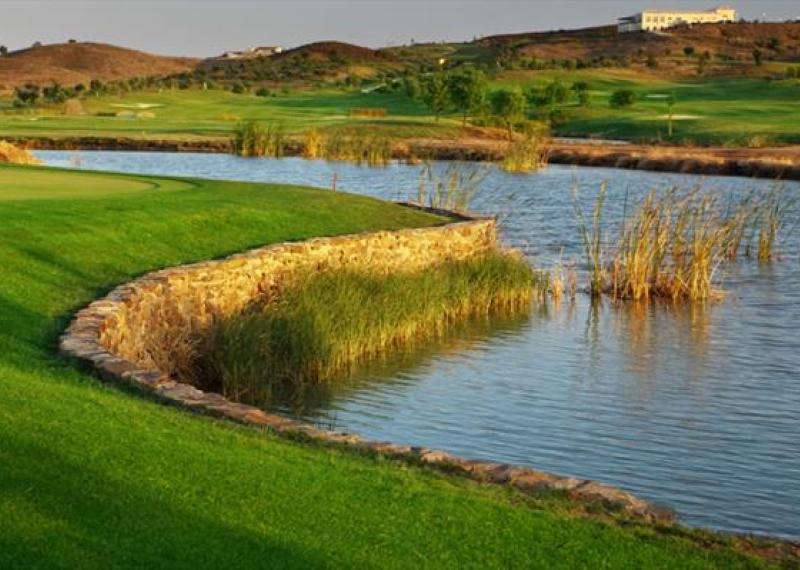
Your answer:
<point x="92" y="476"/>
<point x="732" y="111"/>
<point x="712" y="110"/>
<point x="192" y="114"/>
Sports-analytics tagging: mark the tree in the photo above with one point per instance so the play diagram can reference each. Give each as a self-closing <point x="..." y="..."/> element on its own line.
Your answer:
<point x="3" y="50"/>
<point x="412" y="87"/>
<point x="757" y="55"/>
<point x="55" y="93"/>
<point x="688" y="51"/>
<point x="581" y="89"/>
<point x="510" y="105"/>
<point x="622" y="98"/>
<point x="437" y="96"/>
<point x="651" y="62"/>
<point x="467" y="91"/>
<point x="26" y="96"/>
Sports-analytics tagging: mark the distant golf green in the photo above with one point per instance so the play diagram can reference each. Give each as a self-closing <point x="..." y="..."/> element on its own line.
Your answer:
<point x="93" y="476"/>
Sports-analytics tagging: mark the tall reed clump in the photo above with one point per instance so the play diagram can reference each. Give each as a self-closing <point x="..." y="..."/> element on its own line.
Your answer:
<point x="253" y="139"/>
<point x="324" y="324"/>
<point x="592" y="238"/>
<point x="770" y="217"/>
<point x="672" y="245"/>
<point x="313" y="144"/>
<point x="454" y="189"/>
<point x="527" y="154"/>
<point x="15" y="155"/>
<point x="357" y="146"/>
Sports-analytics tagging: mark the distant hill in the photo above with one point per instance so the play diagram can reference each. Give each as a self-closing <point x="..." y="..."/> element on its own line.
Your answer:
<point x="777" y="40"/>
<point x="332" y="51"/>
<point x="316" y="61"/>
<point x="727" y="44"/>
<point x="80" y="62"/>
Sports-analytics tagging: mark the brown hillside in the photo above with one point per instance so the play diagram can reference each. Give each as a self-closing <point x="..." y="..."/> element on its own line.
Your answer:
<point x="330" y="50"/>
<point x="74" y="63"/>
<point x="777" y="41"/>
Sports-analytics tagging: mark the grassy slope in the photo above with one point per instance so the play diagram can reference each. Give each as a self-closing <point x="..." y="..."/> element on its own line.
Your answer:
<point x="91" y="476"/>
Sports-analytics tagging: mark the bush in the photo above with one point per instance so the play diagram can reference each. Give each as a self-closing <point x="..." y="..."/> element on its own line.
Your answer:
<point x="622" y="98"/>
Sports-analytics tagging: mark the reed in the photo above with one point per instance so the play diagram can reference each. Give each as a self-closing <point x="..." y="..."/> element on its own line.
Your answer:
<point x="672" y="245"/>
<point x="13" y="154"/>
<point x="313" y="144"/>
<point x="592" y="238"/>
<point x="324" y="324"/>
<point x="454" y="189"/>
<point x="770" y="218"/>
<point x="528" y="154"/>
<point x="357" y="146"/>
<point x="254" y="139"/>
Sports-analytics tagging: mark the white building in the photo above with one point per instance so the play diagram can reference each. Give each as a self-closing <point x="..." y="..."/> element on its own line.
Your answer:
<point x="651" y="20"/>
<point x="261" y="51"/>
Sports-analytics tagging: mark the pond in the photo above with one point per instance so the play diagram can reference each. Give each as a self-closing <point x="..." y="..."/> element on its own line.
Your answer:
<point x="696" y="406"/>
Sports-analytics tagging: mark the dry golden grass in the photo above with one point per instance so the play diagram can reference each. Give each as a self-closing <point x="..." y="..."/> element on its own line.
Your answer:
<point x="12" y="154"/>
<point x="673" y="244"/>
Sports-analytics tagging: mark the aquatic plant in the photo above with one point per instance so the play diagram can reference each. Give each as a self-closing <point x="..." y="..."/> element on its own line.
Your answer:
<point x="454" y="189"/>
<point x="313" y="144"/>
<point x="323" y="324"/>
<point x="357" y="146"/>
<point x="254" y="139"/>
<point x="592" y="237"/>
<point x="15" y="155"/>
<point x="672" y="245"/>
<point x="527" y="154"/>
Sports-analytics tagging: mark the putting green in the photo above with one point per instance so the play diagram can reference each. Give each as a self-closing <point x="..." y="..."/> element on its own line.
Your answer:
<point x="45" y="184"/>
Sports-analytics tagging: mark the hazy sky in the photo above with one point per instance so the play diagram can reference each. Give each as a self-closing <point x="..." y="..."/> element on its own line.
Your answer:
<point x="207" y="27"/>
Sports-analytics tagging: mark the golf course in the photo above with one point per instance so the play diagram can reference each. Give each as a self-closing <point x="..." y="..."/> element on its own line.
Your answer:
<point x="96" y="476"/>
<point x="720" y="111"/>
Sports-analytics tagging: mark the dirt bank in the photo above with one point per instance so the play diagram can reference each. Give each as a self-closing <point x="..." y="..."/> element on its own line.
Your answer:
<point x="777" y="162"/>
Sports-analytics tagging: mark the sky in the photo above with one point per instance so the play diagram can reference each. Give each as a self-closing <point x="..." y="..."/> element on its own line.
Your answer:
<point x="208" y="27"/>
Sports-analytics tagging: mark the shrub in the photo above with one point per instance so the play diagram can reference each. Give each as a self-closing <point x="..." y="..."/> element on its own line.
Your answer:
<point x="622" y="98"/>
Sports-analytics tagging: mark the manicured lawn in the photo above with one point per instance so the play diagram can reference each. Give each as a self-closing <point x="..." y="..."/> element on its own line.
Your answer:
<point x="187" y="114"/>
<point x="708" y="110"/>
<point x="94" y="477"/>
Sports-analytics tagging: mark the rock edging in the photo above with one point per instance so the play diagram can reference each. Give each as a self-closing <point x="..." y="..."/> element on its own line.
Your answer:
<point x="104" y="335"/>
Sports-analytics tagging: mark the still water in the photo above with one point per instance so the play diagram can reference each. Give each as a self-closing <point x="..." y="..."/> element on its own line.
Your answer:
<point x="695" y="407"/>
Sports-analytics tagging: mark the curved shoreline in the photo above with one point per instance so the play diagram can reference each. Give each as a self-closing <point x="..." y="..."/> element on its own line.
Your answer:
<point x="770" y="163"/>
<point x="111" y="335"/>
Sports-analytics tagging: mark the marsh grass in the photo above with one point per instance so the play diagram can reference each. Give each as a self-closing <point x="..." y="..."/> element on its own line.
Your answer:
<point x="324" y="324"/>
<point x="672" y="245"/>
<point x="13" y="154"/>
<point x="357" y="146"/>
<point x="254" y="139"/>
<point x="454" y="189"/>
<point x="528" y="154"/>
<point x="352" y="145"/>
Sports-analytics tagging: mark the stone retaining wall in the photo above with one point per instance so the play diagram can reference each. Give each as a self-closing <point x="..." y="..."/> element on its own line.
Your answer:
<point x="130" y="337"/>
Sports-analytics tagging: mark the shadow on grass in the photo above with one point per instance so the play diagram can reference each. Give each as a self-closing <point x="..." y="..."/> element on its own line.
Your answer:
<point x="109" y="523"/>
